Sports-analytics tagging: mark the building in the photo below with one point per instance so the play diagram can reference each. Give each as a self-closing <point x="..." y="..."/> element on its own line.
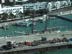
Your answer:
<point x="34" y="6"/>
<point x="53" y="5"/>
<point x="58" y="4"/>
<point x="9" y="9"/>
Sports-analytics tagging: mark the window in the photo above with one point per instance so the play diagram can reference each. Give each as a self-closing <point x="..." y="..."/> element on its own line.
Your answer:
<point x="40" y="7"/>
<point x="20" y="8"/>
<point x="31" y="6"/>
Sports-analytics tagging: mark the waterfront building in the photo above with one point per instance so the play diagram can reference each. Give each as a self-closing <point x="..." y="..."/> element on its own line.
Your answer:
<point x="14" y="9"/>
<point x="53" y="5"/>
<point x="34" y="6"/>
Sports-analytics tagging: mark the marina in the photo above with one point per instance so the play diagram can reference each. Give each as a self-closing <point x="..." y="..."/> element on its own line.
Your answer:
<point x="35" y="27"/>
<point x="55" y="30"/>
<point x="51" y="23"/>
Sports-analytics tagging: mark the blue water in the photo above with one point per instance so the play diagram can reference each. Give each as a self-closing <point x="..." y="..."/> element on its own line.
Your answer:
<point x="61" y="51"/>
<point x="62" y="25"/>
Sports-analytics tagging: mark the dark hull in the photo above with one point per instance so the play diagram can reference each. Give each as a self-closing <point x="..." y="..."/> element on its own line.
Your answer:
<point x="39" y="50"/>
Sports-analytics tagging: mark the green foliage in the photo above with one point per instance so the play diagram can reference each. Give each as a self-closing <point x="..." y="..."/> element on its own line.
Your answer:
<point x="4" y="16"/>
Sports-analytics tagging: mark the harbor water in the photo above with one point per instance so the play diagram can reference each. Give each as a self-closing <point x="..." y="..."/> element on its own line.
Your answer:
<point x="61" y="51"/>
<point x="51" y="24"/>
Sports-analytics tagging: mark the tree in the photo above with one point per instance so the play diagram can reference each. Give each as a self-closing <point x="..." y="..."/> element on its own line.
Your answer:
<point x="27" y="12"/>
<point x="4" y="16"/>
<point x="21" y="14"/>
<point x="11" y="16"/>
